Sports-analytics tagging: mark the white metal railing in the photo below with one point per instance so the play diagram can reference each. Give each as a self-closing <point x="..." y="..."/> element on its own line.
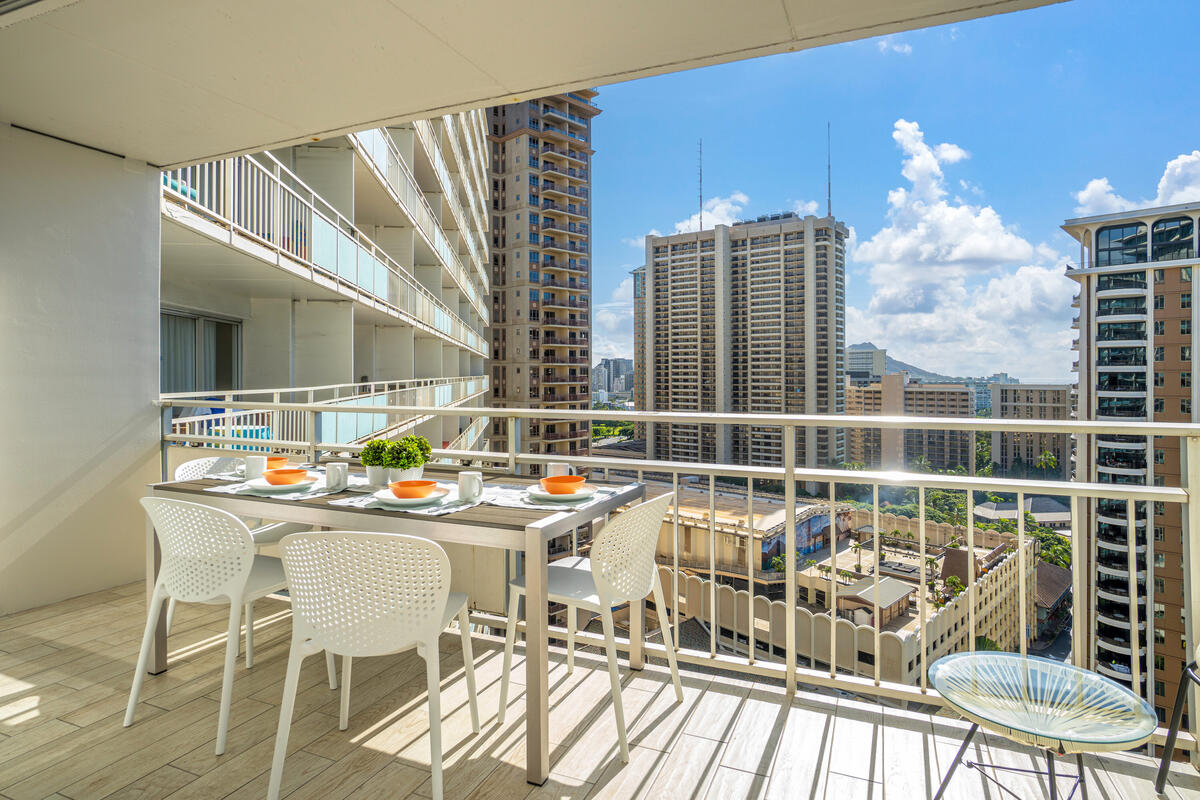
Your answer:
<point x="260" y="198"/>
<point x="1002" y="591"/>
<point x="470" y="232"/>
<point x="252" y="427"/>
<point x="379" y="150"/>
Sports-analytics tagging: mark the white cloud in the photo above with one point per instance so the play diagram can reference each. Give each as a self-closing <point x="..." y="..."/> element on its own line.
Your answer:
<point x="1180" y="183"/>
<point x="612" y="324"/>
<point x="717" y="211"/>
<point x="805" y="207"/>
<point x="954" y="289"/>
<point x="889" y="45"/>
<point x="640" y="241"/>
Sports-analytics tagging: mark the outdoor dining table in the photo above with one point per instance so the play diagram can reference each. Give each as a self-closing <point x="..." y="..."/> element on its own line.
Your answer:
<point x="524" y="530"/>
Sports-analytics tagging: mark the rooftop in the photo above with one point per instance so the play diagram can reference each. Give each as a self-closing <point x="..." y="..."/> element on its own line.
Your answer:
<point x="65" y="681"/>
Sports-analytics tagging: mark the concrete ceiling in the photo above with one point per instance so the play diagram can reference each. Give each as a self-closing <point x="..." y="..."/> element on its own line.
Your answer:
<point x="180" y="81"/>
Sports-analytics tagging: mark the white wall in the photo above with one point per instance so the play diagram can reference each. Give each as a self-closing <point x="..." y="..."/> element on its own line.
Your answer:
<point x="79" y="304"/>
<point x="324" y="342"/>
<point x="267" y="344"/>
<point x="394" y="352"/>
<point x="364" y="352"/>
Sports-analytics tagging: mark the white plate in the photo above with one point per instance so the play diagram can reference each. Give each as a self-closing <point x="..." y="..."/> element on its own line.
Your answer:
<point x="386" y="497"/>
<point x="540" y="494"/>
<point x="261" y="485"/>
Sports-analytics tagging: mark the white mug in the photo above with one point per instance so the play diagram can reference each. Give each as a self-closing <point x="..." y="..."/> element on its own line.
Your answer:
<point x="558" y="468"/>
<point x="470" y="485"/>
<point x="255" y="466"/>
<point x="336" y="475"/>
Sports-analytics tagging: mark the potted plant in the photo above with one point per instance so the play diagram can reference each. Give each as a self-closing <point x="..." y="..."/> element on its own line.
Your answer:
<point x="406" y="458"/>
<point x="374" y="456"/>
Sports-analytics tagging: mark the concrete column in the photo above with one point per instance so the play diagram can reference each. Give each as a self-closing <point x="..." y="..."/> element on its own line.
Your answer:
<point x="428" y="356"/>
<point x="79" y="311"/>
<point x="324" y="342"/>
<point x="810" y="337"/>
<point x="364" y="352"/>
<point x="397" y="242"/>
<point x="648" y="355"/>
<point x="267" y="354"/>
<point x="394" y="353"/>
<point x="723" y="280"/>
<point x="328" y="169"/>
<point x="449" y="361"/>
<point x="430" y="276"/>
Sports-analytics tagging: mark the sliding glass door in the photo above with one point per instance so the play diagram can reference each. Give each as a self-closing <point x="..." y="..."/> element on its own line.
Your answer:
<point x="199" y="354"/>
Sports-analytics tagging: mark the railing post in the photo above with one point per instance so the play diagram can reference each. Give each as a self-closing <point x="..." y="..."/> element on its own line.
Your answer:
<point x="1079" y="633"/>
<point x="512" y="444"/>
<point x="314" y="435"/>
<point x="165" y="417"/>
<point x="1191" y="587"/>
<point x="789" y="538"/>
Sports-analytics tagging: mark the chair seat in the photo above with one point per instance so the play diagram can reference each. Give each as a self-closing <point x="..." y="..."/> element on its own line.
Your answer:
<point x="569" y="581"/>
<point x="274" y="531"/>
<point x="266" y="576"/>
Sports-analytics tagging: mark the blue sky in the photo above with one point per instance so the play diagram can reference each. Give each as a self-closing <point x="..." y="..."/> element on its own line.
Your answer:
<point x="957" y="153"/>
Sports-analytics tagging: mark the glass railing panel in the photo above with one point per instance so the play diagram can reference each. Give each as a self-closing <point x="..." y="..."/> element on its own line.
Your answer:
<point x="325" y="244"/>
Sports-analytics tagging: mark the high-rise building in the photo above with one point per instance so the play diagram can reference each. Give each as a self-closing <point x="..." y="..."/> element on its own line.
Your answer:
<point x="1137" y="332"/>
<point x="541" y="162"/>
<point x="600" y="379"/>
<point x="895" y="448"/>
<point x="865" y="365"/>
<point x="746" y="318"/>
<point x="983" y="389"/>
<point x="1017" y="454"/>
<point x="617" y="369"/>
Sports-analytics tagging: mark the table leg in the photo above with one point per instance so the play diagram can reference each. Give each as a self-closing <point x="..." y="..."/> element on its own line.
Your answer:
<point x="954" y="764"/>
<point x="637" y="634"/>
<point x="1050" y="775"/>
<point x="1082" y="779"/>
<point x="158" y="649"/>
<point x="537" y="663"/>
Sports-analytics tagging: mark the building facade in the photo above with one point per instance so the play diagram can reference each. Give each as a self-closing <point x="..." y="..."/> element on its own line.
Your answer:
<point x="865" y="365"/>
<point x="896" y="395"/>
<point x="1136" y="329"/>
<point x="746" y="318"/>
<point x="1017" y="454"/>
<point x="541" y="162"/>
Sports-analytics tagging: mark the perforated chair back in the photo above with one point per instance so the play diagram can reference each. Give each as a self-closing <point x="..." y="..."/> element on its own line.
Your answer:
<point x="365" y="594"/>
<point x="623" y="553"/>
<point x="199" y="467"/>
<point x="206" y="553"/>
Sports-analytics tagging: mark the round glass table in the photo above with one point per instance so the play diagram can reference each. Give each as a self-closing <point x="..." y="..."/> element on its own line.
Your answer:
<point x="1047" y="704"/>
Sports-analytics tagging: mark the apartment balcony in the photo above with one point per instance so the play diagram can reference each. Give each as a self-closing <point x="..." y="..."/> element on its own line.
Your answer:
<point x="257" y="207"/>
<point x="567" y="435"/>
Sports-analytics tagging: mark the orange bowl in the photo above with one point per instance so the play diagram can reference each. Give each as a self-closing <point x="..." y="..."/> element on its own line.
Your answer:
<point x="284" y="477"/>
<point x="411" y="490"/>
<point x="277" y="462"/>
<point x="562" y="484"/>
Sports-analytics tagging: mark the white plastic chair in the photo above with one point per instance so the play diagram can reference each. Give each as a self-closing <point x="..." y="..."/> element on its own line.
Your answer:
<point x="621" y="570"/>
<point x="207" y="557"/>
<point x="370" y="594"/>
<point x="262" y="534"/>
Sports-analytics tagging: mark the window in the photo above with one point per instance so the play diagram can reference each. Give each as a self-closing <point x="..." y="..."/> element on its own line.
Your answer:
<point x="1160" y="560"/>
<point x="1185" y="275"/>
<point x="1160" y="325"/>
<point x="1160" y="636"/>
<point x="199" y="354"/>
<point x="1185" y="380"/>
<point x="1185" y="353"/>
<point x="1160" y="457"/>
<point x="1159" y="403"/>
<point x="1160" y="379"/>
<point x="1160" y="663"/>
<point x="1159" y="532"/>
<point x="1121" y="244"/>
<point x="1185" y="405"/>
<point x="1160" y="611"/>
<point x="1160" y="689"/>
<point x="1185" y="327"/>
<point x="1160" y="276"/>
<point x="1185" y="299"/>
<point x="1159" y="354"/>
<point x="1160" y="585"/>
<point x="1171" y="239"/>
<point x="1160" y="301"/>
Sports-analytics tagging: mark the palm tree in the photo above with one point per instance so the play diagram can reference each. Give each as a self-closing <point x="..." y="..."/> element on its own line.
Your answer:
<point x="1047" y="463"/>
<point x="857" y="548"/>
<point x="921" y="464"/>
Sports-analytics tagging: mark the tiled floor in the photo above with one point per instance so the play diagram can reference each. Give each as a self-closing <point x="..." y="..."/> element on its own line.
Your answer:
<point x="65" y="673"/>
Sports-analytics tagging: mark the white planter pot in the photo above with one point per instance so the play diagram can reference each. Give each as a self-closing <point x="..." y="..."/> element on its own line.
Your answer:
<point x="413" y="474"/>
<point x="377" y="476"/>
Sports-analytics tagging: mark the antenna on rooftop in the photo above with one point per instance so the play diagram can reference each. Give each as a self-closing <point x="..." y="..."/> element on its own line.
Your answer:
<point x="700" y="163"/>
<point x="828" y="175"/>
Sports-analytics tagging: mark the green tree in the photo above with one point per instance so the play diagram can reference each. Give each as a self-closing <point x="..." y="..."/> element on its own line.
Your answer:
<point x="1047" y="464"/>
<point x="984" y="643"/>
<point x="921" y="464"/>
<point x="954" y="586"/>
<point x="857" y="548"/>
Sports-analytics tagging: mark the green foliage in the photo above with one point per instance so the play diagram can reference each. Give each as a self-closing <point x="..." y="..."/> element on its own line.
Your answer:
<point x="607" y="430"/>
<point x="954" y="586"/>
<point x="375" y="453"/>
<point x="408" y="452"/>
<point x="984" y="643"/>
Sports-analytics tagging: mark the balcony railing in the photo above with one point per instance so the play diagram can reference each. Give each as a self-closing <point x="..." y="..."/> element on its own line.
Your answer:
<point x="270" y="205"/>
<point x="378" y="149"/>
<point x="794" y="639"/>
<point x="430" y="141"/>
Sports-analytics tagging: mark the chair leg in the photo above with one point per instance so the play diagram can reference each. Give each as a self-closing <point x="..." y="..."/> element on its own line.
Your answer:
<point x="660" y="607"/>
<point x="433" y="676"/>
<point x="610" y="649"/>
<point x="231" y="652"/>
<point x="170" y="614"/>
<point x="464" y="628"/>
<point x="344" y="711"/>
<point x="510" y="639"/>
<point x="331" y="669"/>
<point x="1168" y="751"/>
<point x="249" y="634"/>
<point x="295" y="659"/>
<point x="139" y="672"/>
<point x="572" y="622"/>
